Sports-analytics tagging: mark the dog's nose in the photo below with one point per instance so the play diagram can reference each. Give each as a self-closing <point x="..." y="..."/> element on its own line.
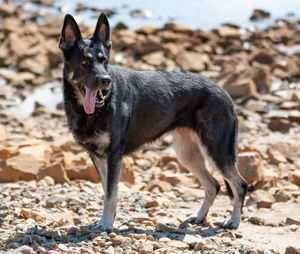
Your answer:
<point x="104" y="81"/>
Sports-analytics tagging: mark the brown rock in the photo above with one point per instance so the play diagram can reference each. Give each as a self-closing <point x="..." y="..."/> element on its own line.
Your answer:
<point x="282" y="196"/>
<point x="83" y="172"/>
<point x="151" y="203"/>
<point x="275" y="156"/>
<point x="291" y="221"/>
<point x="295" y="177"/>
<point x="20" y="167"/>
<point x="282" y="125"/>
<point x="263" y="57"/>
<point x="6" y="9"/>
<point x="256" y="220"/>
<point x="37" y="216"/>
<point x="292" y="250"/>
<point x="294" y="116"/>
<point x="294" y="95"/>
<point x="147" y="30"/>
<point x="269" y="180"/>
<point x="289" y="150"/>
<point x="262" y="199"/>
<point x="259" y="14"/>
<point x="117" y="240"/>
<point x="242" y="87"/>
<point x="149" y="45"/>
<point x="56" y="171"/>
<point x="177" y="28"/>
<point x="192" y="61"/>
<point x="125" y="39"/>
<point x="250" y="166"/>
<point x="127" y="172"/>
<point x="260" y="76"/>
<point x="71" y="160"/>
<point x="162" y="186"/>
<point x="6" y="153"/>
<point x="203" y="246"/>
<point x="25" y="250"/>
<point x="226" y="31"/>
<point x="38" y="64"/>
<point x="3" y="135"/>
<point x="155" y="58"/>
<point x="40" y="151"/>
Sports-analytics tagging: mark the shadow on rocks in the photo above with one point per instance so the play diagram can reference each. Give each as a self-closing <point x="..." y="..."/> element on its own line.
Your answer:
<point x="39" y="237"/>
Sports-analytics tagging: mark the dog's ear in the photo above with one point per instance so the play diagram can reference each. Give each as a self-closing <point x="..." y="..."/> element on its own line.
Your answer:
<point x="70" y="33"/>
<point x="102" y="31"/>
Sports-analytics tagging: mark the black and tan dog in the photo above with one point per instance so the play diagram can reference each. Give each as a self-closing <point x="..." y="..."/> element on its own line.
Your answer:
<point x="113" y="110"/>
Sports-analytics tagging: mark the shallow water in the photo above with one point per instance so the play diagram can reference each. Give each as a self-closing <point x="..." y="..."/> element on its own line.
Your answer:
<point x="49" y="95"/>
<point x="203" y="14"/>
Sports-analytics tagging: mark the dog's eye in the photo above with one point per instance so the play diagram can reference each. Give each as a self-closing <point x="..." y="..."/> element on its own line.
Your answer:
<point x="103" y="60"/>
<point x="85" y="62"/>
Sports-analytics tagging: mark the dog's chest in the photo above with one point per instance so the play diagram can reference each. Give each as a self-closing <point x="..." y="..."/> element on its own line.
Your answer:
<point x="96" y="143"/>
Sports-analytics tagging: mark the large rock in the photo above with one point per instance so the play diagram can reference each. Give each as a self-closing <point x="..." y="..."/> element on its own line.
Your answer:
<point x="259" y="14"/>
<point x="146" y="30"/>
<point x="155" y="58"/>
<point x="7" y="9"/>
<point x="295" y="177"/>
<point x="20" y="167"/>
<point x="41" y="152"/>
<point x="250" y="166"/>
<point x="192" y="61"/>
<point x="177" y="28"/>
<point x="260" y="76"/>
<point x="7" y="152"/>
<point x="3" y="135"/>
<point x="56" y="171"/>
<point x="226" y="31"/>
<point x="87" y="172"/>
<point x="278" y="124"/>
<point x="263" y="57"/>
<point x="262" y="199"/>
<point x="276" y="156"/>
<point x="240" y="88"/>
<point x="38" y="64"/>
<point x="127" y="171"/>
<point x="149" y="45"/>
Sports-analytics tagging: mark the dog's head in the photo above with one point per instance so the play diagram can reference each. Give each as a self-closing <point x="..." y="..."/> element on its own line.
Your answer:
<point x="86" y="61"/>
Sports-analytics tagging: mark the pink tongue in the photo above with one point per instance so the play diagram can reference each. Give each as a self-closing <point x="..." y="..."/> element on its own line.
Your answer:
<point x="89" y="101"/>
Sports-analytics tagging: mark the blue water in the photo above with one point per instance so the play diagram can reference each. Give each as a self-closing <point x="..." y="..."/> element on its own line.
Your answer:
<point x="203" y="14"/>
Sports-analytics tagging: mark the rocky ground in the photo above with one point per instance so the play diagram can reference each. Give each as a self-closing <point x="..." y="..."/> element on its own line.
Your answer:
<point x="50" y="193"/>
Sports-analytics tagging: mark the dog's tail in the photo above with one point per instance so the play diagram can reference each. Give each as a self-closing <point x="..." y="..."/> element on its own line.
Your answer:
<point x="233" y="147"/>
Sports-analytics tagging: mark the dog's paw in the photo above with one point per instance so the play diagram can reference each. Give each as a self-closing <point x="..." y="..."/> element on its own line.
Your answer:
<point x="103" y="228"/>
<point x="192" y="220"/>
<point x="230" y="224"/>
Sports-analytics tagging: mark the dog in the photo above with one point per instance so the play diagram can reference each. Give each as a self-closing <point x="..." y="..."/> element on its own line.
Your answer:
<point x="112" y="111"/>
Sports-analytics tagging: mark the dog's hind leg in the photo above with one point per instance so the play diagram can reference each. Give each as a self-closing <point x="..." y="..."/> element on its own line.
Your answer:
<point x="189" y="155"/>
<point x="218" y="141"/>
<point x="100" y="164"/>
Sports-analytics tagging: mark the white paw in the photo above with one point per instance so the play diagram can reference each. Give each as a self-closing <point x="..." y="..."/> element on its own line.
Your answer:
<point x="192" y="220"/>
<point x="103" y="227"/>
<point x="231" y="223"/>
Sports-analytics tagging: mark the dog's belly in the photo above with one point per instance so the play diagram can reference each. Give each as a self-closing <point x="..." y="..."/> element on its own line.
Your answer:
<point x="96" y="143"/>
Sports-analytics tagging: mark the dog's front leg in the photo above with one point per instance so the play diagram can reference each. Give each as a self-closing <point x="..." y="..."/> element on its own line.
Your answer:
<point x="111" y="191"/>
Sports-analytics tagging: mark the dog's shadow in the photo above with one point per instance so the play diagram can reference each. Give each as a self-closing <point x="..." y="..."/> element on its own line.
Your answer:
<point x="87" y="234"/>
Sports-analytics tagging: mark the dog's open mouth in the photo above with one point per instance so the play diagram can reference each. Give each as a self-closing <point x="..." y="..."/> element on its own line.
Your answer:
<point x="92" y="98"/>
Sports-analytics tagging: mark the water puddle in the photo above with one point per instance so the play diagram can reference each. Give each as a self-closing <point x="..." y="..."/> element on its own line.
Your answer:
<point x="49" y="95"/>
